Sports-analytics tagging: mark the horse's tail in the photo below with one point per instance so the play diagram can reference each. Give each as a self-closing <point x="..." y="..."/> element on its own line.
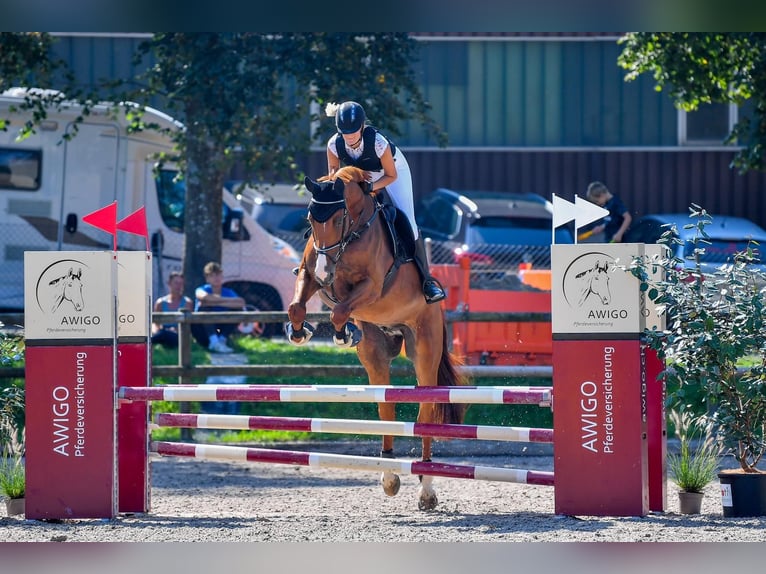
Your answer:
<point x="449" y="413"/>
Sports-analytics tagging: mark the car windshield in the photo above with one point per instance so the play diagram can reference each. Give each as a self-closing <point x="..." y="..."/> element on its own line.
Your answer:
<point x="518" y="231"/>
<point x="721" y="251"/>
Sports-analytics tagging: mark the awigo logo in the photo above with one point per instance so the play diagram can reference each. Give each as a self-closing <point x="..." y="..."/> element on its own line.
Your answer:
<point x="59" y="287"/>
<point x="586" y="280"/>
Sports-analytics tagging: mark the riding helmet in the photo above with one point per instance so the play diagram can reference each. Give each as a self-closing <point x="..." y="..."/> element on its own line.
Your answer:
<point x="349" y="118"/>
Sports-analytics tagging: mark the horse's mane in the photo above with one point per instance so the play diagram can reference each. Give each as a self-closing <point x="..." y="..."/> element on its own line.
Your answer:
<point x="347" y="173"/>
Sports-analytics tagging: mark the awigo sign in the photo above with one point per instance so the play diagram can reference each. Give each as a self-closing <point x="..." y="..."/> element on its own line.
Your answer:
<point x="70" y="332"/>
<point x="599" y="381"/>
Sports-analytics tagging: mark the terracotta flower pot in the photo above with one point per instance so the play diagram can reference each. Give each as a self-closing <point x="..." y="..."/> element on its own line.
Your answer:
<point x="14" y="506"/>
<point x="690" y="502"/>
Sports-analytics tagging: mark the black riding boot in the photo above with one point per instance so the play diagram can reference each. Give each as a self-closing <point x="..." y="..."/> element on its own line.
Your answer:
<point x="432" y="289"/>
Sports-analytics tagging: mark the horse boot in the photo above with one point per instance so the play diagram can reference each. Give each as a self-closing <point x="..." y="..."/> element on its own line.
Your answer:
<point x="432" y="289"/>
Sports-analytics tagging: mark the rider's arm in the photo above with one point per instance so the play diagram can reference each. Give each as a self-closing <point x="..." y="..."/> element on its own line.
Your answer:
<point x="389" y="170"/>
<point x="333" y="162"/>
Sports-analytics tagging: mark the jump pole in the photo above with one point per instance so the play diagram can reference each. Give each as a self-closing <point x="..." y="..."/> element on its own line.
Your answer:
<point x="364" y="463"/>
<point x="540" y="396"/>
<point x="348" y="426"/>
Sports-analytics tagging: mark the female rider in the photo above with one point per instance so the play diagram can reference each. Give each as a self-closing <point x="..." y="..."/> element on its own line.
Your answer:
<point x="368" y="149"/>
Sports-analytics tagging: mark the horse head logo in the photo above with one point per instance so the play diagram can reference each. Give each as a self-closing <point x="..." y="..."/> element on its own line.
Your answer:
<point x="594" y="281"/>
<point x="68" y="288"/>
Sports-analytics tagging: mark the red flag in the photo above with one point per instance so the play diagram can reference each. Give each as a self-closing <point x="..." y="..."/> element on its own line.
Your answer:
<point x="104" y="219"/>
<point x="135" y="223"/>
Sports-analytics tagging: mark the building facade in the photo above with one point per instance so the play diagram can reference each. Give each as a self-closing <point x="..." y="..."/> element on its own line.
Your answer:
<point x="545" y="113"/>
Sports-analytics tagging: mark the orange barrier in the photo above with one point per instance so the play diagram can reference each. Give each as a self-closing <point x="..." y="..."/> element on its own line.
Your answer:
<point x="498" y="343"/>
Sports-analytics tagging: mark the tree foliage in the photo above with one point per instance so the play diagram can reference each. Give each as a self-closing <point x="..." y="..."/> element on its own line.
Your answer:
<point x="703" y="68"/>
<point x="249" y="99"/>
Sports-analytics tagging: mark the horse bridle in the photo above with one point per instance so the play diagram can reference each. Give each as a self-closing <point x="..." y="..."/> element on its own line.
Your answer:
<point x="351" y="236"/>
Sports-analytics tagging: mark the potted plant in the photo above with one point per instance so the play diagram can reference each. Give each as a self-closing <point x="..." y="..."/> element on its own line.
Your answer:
<point x="12" y="484"/>
<point x="695" y="465"/>
<point x="12" y="479"/>
<point x="714" y="345"/>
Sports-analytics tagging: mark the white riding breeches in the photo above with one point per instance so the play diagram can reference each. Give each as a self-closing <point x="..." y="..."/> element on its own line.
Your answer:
<point x="400" y="191"/>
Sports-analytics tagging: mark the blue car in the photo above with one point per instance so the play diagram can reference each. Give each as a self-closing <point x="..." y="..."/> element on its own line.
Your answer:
<point x="727" y="236"/>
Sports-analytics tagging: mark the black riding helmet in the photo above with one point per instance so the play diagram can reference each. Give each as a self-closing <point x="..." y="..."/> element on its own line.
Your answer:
<point x="349" y="118"/>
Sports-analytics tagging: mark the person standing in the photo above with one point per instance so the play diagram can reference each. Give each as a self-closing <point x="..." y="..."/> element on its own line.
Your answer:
<point x="166" y="334"/>
<point x="213" y="296"/>
<point x="363" y="146"/>
<point x="619" y="219"/>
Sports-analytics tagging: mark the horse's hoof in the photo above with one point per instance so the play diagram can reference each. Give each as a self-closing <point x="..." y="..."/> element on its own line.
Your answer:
<point x="349" y="337"/>
<point x="301" y="336"/>
<point x="391" y="483"/>
<point x="428" y="502"/>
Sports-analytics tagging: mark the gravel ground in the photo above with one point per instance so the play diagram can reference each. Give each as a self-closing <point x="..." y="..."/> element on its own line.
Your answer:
<point x="213" y="501"/>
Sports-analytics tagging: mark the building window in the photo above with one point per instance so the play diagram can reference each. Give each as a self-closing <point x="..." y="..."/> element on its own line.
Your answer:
<point x="710" y="124"/>
<point x="20" y="169"/>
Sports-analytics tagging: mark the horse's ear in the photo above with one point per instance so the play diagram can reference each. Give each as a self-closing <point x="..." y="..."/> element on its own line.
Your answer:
<point x="310" y="184"/>
<point x="339" y="186"/>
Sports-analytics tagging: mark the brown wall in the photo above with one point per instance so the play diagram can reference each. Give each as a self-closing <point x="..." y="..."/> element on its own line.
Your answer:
<point x="647" y="181"/>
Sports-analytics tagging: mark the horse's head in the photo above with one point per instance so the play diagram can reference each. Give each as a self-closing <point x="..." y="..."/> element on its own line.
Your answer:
<point x="332" y="199"/>
<point x="599" y="283"/>
<point x="69" y="288"/>
<point x="327" y="215"/>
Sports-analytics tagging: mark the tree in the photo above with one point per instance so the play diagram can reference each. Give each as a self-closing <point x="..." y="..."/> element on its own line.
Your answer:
<point x="699" y="68"/>
<point x="232" y="93"/>
<point x="255" y="100"/>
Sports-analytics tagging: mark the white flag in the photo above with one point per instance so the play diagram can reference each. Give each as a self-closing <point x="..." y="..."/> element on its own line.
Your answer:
<point x="563" y="211"/>
<point x="587" y="212"/>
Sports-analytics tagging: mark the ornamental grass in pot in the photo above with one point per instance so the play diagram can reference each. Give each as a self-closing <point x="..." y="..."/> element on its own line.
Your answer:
<point x="695" y="465"/>
<point x="12" y="476"/>
<point x="714" y="346"/>
<point x="13" y="484"/>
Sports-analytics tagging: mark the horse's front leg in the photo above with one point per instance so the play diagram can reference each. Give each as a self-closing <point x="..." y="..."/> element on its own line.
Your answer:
<point x="298" y="331"/>
<point x="346" y="333"/>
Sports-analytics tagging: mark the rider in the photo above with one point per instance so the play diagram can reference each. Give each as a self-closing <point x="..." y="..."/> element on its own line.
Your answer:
<point x="367" y="148"/>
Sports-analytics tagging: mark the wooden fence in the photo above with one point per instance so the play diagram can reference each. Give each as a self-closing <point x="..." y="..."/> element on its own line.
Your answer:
<point x="185" y="369"/>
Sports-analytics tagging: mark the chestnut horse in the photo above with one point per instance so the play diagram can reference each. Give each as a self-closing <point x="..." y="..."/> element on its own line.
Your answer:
<point x="348" y="260"/>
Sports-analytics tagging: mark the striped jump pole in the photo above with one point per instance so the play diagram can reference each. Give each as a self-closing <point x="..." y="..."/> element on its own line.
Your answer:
<point x="349" y="462"/>
<point x="348" y="426"/>
<point x="342" y="393"/>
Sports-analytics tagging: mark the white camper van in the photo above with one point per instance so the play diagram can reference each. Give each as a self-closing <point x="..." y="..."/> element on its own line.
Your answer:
<point x="47" y="184"/>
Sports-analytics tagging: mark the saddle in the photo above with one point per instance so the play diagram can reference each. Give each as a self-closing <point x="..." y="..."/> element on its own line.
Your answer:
<point x="400" y="238"/>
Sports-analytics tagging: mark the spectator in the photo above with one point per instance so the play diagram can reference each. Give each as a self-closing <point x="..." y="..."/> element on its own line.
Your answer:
<point x="167" y="334"/>
<point x="213" y="296"/>
<point x="619" y="219"/>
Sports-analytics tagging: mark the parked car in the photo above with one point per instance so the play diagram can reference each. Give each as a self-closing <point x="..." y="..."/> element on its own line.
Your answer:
<point x="496" y="230"/>
<point x="280" y="209"/>
<point x="728" y="235"/>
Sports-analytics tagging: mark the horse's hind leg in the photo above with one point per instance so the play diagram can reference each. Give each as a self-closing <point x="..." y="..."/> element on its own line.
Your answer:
<point x="426" y="353"/>
<point x="427" y="499"/>
<point x="376" y="350"/>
